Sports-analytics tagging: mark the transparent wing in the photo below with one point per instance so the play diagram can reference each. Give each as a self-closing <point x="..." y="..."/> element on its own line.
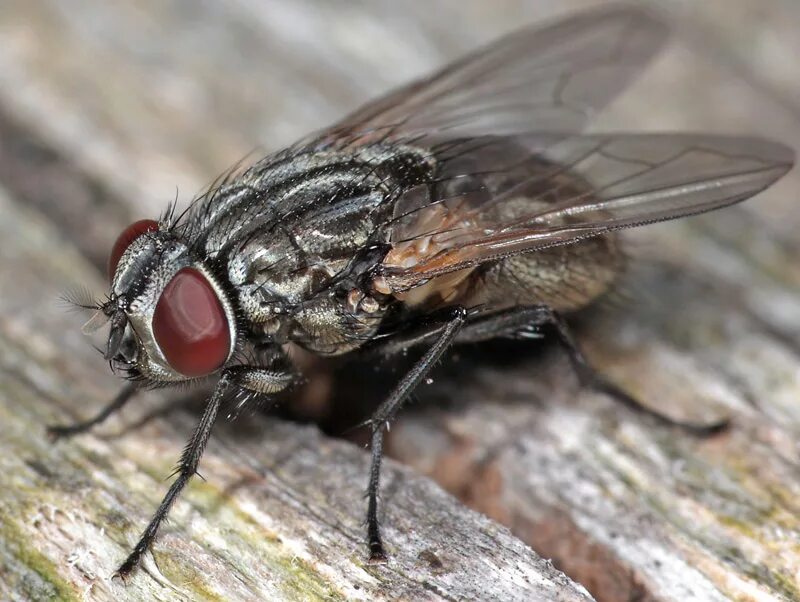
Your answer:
<point x="544" y="79"/>
<point x="499" y="196"/>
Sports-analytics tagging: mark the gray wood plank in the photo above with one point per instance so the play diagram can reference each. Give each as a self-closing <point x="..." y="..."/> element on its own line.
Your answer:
<point x="142" y="99"/>
<point x="278" y="515"/>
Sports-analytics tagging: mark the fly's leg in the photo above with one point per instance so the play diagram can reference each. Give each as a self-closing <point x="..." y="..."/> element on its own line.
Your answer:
<point x="255" y="379"/>
<point x="62" y="431"/>
<point x="425" y="333"/>
<point x="275" y="375"/>
<point x="525" y="322"/>
<point x="387" y="411"/>
<point x="589" y="377"/>
<point x="517" y="323"/>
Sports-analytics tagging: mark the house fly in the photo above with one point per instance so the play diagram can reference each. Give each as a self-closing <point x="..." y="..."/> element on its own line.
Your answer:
<point x="462" y="207"/>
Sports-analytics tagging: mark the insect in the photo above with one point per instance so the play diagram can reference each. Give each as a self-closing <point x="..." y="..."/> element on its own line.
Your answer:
<point x="459" y="208"/>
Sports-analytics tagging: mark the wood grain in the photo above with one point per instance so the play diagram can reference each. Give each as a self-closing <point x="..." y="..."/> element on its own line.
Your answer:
<point x="105" y="109"/>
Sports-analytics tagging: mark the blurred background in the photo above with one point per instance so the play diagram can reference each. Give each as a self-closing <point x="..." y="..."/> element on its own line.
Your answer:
<point x="110" y="110"/>
<point x="166" y="95"/>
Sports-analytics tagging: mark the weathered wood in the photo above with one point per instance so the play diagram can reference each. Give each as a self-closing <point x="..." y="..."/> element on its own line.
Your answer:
<point x="278" y="516"/>
<point x="136" y="101"/>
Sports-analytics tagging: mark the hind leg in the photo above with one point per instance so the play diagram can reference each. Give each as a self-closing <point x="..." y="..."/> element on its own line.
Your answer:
<point x="528" y="322"/>
<point x="525" y="322"/>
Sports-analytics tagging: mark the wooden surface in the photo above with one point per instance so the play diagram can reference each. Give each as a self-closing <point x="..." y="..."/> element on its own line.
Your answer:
<point x="278" y="515"/>
<point x="105" y="109"/>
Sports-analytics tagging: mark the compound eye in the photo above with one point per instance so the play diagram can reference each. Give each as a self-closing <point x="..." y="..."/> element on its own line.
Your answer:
<point x="124" y="240"/>
<point x="190" y="325"/>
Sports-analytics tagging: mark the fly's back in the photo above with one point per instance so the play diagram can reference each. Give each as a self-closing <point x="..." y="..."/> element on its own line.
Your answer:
<point x="294" y="235"/>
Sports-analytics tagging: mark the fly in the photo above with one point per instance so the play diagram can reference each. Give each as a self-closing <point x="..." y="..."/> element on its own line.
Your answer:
<point x="459" y="208"/>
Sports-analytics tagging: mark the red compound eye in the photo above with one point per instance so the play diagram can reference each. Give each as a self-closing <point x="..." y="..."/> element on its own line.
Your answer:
<point x="129" y="234"/>
<point x="190" y="325"/>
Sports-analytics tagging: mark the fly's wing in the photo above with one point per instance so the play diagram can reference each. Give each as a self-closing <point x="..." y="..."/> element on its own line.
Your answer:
<point x="499" y="196"/>
<point x="544" y="79"/>
<point x="498" y="190"/>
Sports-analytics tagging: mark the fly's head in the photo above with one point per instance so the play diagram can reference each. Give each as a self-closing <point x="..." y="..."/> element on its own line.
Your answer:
<point x="170" y="318"/>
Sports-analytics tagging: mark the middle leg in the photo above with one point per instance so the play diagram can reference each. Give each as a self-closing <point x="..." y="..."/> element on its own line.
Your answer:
<point x="527" y="322"/>
<point x="389" y="408"/>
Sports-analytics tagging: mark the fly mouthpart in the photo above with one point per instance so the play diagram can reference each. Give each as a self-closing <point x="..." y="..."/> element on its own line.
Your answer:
<point x="118" y="322"/>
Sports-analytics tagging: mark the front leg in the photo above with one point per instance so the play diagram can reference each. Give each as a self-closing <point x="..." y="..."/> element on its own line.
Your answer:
<point x="69" y="430"/>
<point x="388" y="409"/>
<point x="249" y="378"/>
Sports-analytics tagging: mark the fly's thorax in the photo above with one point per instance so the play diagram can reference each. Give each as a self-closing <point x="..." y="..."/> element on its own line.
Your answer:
<point x="287" y="293"/>
<point x="336" y="324"/>
<point x="330" y="323"/>
<point x="312" y="201"/>
<point x="295" y="248"/>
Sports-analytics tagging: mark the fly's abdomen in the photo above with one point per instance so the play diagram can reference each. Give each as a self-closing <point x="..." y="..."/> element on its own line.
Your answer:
<point x="448" y="237"/>
<point x="565" y="278"/>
